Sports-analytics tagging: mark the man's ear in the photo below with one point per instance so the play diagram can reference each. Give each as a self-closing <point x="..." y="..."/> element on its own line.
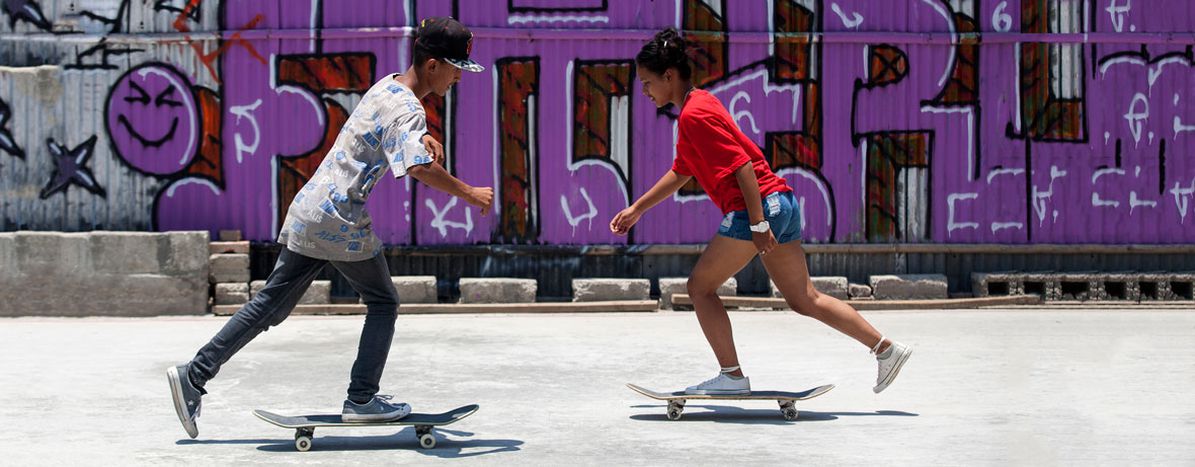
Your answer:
<point x="667" y="75"/>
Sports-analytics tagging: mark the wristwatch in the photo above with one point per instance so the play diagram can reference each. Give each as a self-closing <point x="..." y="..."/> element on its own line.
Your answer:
<point x="761" y="227"/>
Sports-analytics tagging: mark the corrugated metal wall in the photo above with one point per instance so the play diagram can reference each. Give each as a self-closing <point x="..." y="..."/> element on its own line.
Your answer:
<point x="904" y="121"/>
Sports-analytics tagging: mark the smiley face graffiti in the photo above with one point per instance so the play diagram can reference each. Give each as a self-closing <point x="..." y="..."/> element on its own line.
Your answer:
<point x="152" y="119"/>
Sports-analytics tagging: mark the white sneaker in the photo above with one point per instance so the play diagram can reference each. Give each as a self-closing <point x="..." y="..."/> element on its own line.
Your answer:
<point x="890" y="362"/>
<point x="722" y="385"/>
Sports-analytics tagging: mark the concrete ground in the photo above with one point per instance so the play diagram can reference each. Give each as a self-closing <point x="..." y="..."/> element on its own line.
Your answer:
<point x="1026" y="387"/>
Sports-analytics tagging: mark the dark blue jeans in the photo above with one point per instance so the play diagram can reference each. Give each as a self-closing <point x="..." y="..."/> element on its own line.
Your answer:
<point x="291" y="276"/>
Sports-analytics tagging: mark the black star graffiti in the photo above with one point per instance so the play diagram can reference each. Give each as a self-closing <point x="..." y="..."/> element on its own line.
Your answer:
<point x="70" y="168"/>
<point x="25" y="10"/>
<point x="7" y="144"/>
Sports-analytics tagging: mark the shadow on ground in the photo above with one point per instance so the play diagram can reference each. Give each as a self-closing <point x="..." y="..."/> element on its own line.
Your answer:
<point x="731" y="414"/>
<point x="446" y="447"/>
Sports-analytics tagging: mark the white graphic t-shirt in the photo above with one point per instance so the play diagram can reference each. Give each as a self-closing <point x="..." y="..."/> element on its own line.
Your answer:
<point x="327" y="219"/>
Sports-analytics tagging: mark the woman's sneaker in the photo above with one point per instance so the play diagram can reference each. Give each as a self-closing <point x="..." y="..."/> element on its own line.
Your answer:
<point x="889" y="362"/>
<point x="377" y="410"/>
<point x="722" y="385"/>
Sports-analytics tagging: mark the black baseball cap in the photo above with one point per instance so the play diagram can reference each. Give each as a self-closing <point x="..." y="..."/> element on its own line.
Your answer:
<point x="447" y="39"/>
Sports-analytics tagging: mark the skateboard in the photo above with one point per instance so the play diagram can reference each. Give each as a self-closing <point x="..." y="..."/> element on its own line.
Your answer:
<point x="305" y="425"/>
<point x="787" y="400"/>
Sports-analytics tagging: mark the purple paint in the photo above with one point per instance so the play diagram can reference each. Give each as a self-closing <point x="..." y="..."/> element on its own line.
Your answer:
<point x="153" y="119"/>
<point x="989" y="179"/>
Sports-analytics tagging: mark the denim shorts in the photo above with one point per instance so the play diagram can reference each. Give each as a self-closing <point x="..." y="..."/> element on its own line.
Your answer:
<point x="780" y="209"/>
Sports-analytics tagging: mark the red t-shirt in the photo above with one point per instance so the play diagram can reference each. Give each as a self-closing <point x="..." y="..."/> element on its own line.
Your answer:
<point x="711" y="147"/>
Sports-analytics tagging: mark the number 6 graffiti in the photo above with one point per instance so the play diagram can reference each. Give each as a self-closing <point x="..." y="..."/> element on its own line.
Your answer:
<point x="1001" y="21"/>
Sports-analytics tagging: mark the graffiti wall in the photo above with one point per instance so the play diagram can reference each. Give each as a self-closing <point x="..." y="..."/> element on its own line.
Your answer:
<point x="910" y="121"/>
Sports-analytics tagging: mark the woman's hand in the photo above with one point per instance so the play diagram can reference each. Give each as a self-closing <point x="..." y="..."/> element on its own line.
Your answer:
<point x="764" y="242"/>
<point x="624" y="220"/>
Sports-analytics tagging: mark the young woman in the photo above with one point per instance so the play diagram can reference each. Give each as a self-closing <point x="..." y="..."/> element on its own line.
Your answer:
<point x="762" y="217"/>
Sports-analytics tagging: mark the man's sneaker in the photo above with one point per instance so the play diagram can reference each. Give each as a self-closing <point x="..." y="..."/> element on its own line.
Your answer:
<point x="377" y="410"/>
<point x="890" y="362"/>
<point x="186" y="397"/>
<point x="722" y="385"/>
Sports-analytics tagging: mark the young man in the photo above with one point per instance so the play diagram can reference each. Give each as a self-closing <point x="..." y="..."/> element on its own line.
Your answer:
<point x="327" y="224"/>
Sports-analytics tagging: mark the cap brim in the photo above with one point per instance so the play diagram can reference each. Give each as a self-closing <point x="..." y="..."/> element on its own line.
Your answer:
<point x="466" y="64"/>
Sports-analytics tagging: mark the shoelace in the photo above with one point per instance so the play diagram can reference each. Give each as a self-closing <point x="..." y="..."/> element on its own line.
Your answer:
<point x="711" y="380"/>
<point x="385" y="399"/>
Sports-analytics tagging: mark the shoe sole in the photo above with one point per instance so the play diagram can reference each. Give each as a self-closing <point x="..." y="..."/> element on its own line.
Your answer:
<point x="900" y="363"/>
<point x="719" y="393"/>
<point x="372" y="418"/>
<point x="176" y="392"/>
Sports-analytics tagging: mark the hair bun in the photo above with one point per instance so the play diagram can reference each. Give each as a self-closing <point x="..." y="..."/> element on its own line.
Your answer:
<point x="667" y="49"/>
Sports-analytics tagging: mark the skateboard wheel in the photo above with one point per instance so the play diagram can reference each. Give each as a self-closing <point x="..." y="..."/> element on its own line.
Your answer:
<point x="427" y="441"/>
<point x="790" y="414"/>
<point x="303" y="443"/>
<point x="675" y="409"/>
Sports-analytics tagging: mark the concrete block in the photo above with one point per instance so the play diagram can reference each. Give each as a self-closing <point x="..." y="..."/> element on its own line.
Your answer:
<point x="228" y="268"/>
<point x="1122" y="286"/>
<point x="679" y="285"/>
<point x="318" y="293"/>
<point x="1045" y="285"/>
<point x="186" y="253"/>
<point x="228" y="247"/>
<point x="154" y="295"/>
<point x="1080" y="286"/>
<point x="909" y="287"/>
<point x="232" y="293"/>
<point x="989" y="284"/>
<point x="125" y="252"/>
<point x="97" y="274"/>
<point x="8" y="255"/>
<point x="256" y="286"/>
<point x="1154" y="286"/>
<point x="859" y="291"/>
<point x="230" y="235"/>
<point x="498" y="290"/>
<point x="136" y="295"/>
<point x="609" y="289"/>
<point x="1182" y="286"/>
<point x="415" y="289"/>
<point x="834" y="286"/>
<point x="53" y="255"/>
<point x="1166" y="286"/>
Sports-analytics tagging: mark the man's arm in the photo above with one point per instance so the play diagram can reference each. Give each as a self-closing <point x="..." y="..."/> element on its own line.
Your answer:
<point x="435" y="176"/>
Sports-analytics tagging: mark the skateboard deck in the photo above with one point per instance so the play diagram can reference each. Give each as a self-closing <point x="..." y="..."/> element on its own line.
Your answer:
<point x="787" y="400"/>
<point x="305" y="425"/>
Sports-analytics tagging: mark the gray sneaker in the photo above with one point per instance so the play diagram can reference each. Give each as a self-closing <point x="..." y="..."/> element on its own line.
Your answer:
<point x="186" y="398"/>
<point x="377" y="410"/>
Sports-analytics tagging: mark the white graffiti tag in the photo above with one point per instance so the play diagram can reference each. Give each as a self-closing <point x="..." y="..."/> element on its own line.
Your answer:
<point x="440" y="223"/>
